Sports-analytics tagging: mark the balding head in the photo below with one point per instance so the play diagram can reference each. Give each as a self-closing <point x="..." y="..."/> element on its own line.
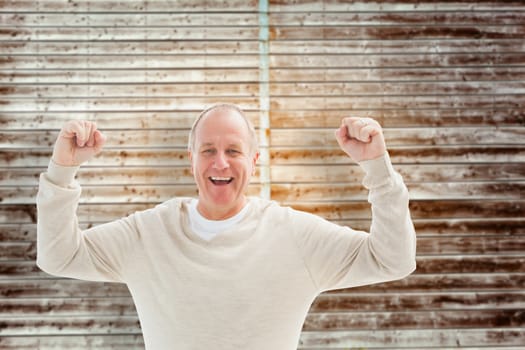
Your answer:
<point x="234" y="110"/>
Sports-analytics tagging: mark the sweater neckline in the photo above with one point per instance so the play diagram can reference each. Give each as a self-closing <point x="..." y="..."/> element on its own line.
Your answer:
<point x="243" y="230"/>
<point x="207" y="228"/>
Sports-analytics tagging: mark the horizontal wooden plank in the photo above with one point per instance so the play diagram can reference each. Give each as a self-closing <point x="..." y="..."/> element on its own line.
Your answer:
<point x="378" y="19"/>
<point x="60" y="288"/>
<point x="394" y="136"/>
<point x="329" y="46"/>
<point x="436" y="209"/>
<point x="143" y="90"/>
<point x="129" y="6"/>
<point x="442" y="154"/>
<point x="68" y="307"/>
<point x="69" y="326"/>
<point x="19" y="233"/>
<point x="398" y="32"/>
<point x="145" y="19"/>
<point x="129" y="76"/>
<point x="325" y="46"/>
<point x="352" y="173"/>
<point x="134" y="342"/>
<point x="122" y="103"/>
<point x="174" y="119"/>
<point x="200" y="61"/>
<point x="335" y="192"/>
<point x="222" y="75"/>
<point x="446" y="73"/>
<point x="471" y="264"/>
<point x="278" y="103"/>
<point x="431" y="338"/>
<point x="336" y="321"/>
<point x="122" y="157"/>
<point x="476" y="227"/>
<point x="133" y="6"/>
<point x="400" y="118"/>
<point x="132" y="33"/>
<point x="108" y="176"/>
<point x="395" y="60"/>
<point x="74" y="342"/>
<point x="156" y="138"/>
<point x="415" y="6"/>
<point x="139" y="47"/>
<point x="484" y="276"/>
<point x="359" y="102"/>
<point x="196" y="61"/>
<point x="131" y="90"/>
<point x="398" y="302"/>
<point x="387" y="18"/>
<point x="470" y="245"/>
<point x="397" y="88"/>
<point x="453" y="227"/>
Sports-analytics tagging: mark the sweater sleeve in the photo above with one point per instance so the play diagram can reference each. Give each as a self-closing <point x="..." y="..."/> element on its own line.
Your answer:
<point x="98" y="254"/>
<point x="339" y="257"/>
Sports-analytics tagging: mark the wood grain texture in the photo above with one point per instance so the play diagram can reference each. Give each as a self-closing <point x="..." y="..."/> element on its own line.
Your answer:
<point x="446" y="79"/>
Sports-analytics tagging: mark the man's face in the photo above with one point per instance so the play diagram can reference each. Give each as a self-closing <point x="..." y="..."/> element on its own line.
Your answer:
<point x="222" y="163"/>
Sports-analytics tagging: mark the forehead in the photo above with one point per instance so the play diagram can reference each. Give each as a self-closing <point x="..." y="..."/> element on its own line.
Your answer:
<point x="222" y="123"/>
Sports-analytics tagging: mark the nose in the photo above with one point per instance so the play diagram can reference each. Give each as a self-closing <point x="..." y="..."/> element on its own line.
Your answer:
<point x="221" y="161"/>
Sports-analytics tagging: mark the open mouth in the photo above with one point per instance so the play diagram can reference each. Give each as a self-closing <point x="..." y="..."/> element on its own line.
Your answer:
<point x="217" y="180"/>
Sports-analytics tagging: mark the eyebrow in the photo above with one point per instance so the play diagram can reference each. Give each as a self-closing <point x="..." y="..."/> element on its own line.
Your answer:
<point x="211" y="144"/>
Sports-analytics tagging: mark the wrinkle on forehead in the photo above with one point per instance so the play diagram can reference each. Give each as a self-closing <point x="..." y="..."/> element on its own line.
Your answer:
<point x="220" y="110"/>
<point x="233" y="129"/>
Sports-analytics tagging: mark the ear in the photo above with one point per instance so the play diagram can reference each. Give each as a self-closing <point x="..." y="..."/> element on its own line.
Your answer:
<point x="190" y="156"/>
<point x="254" y="162"/>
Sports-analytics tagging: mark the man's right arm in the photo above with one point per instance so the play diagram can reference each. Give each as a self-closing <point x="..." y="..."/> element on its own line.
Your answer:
<point x="62" y="248"/>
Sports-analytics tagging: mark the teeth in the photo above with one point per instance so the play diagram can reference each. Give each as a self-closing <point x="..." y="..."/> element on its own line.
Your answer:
<point x="221" y="178"/>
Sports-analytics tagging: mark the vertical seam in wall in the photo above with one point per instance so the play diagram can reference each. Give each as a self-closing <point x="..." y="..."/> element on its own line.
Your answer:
<point x="264" y="101"/>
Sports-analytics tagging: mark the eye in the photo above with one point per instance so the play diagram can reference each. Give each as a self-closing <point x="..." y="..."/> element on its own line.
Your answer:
<point x="208" y="151"/>
<point x="233" y="152"/>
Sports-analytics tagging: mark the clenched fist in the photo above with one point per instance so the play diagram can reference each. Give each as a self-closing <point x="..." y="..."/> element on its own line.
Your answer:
<point x="361" y="138"/>
<point x="77" y="142"/>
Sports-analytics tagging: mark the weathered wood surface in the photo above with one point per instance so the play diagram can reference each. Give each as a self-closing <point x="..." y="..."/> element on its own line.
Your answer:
<point x="445" y="79"/>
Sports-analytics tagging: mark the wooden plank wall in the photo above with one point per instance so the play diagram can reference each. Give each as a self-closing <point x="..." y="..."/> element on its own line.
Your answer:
<point x="445" y="78"/>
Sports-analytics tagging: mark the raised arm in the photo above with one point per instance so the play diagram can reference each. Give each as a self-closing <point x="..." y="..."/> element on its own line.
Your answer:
<point x="339" y="257"/>
<point x="62" y="247"/>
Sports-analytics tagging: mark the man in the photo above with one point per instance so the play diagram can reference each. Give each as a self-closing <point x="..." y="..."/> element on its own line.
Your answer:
<point x="225" y="271"/>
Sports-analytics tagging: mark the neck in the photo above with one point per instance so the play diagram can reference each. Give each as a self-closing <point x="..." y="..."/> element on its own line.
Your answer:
<point x="220" y="212"/>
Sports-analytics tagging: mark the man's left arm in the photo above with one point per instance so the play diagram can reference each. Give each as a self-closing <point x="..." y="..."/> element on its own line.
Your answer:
<point x="392" y="238"/>
<point x="339" y="257"/>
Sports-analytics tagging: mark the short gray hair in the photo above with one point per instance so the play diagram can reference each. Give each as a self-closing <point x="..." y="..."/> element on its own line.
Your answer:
<point x="254" y="144"/>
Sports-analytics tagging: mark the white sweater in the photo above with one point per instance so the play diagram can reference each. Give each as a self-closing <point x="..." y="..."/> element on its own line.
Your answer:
<point x="249" y="288"/>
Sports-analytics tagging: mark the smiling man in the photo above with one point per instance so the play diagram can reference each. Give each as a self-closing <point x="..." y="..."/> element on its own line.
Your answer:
<point x="223" y="154"/>
<point x="225" y="271"/>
